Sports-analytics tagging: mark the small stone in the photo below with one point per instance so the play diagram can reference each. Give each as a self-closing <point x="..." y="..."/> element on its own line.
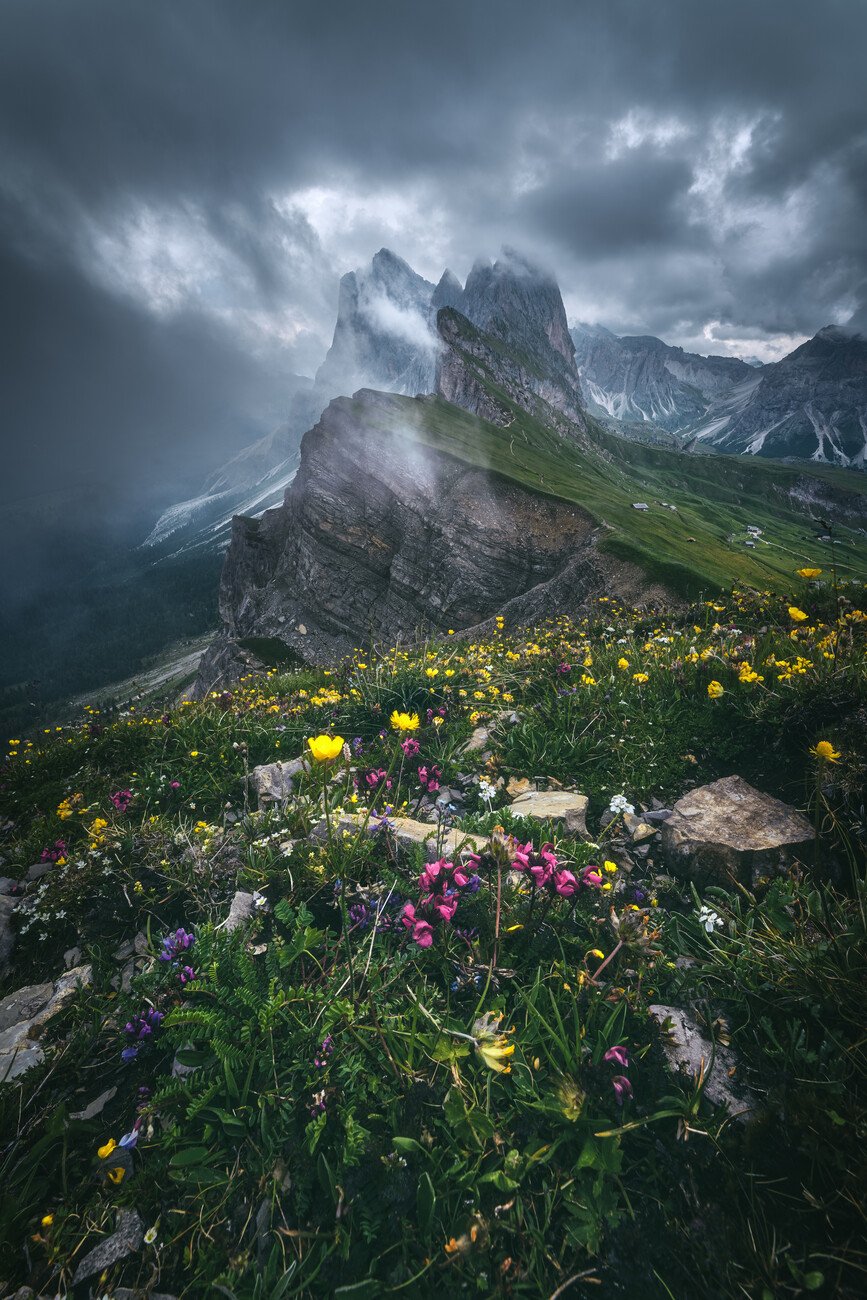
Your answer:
<point x="729" y="829"/>
<point x="96" y="1107"/>
<point x="477" y="741"/>
<point x="240" y="911"/>
<point x="8" y="885"/>
<point x="273" y="783"/>
<point x="657" y="815"/>
<point x="38" y="870"/>
<point x="125" y="951"/>
<point x="638" y="829"/>
<point x="517" y="785"/>
<point x="71" y="958"/>
<point x="126" y="1238"/>
<point x="559" y="806"/>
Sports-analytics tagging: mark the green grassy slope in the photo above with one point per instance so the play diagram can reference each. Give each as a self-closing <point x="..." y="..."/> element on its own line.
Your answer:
<point x="701" y="545"/>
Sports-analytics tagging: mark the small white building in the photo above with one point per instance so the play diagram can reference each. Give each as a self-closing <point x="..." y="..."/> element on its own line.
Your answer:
<point x="640" y="505"/>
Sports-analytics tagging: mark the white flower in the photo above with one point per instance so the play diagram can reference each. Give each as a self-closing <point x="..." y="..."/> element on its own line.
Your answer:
<point x="151" y="1235"/>
<point x="486" y="790"/>
<point x="710" y="919"/>
<point x="620" y="804"/>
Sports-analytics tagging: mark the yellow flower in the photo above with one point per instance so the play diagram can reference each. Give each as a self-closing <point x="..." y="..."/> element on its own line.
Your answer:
<point x="116" y="1175"/>
<point x="47" y="1220"/>
<point x="623" y="663"/>
<point x="825" y="752"/>
<point x="609" y="866"/>
<point x="325" y="748"/>
<point x="194" y="753"/>
<point x="641" y="678"/>
<point x="715" y="690"/>
<point x="809" y="573"/>
<point x="495" y="1054"/>
<point x="432" y="672"/>
<point x="105" y="1151"/>
<point x="404" y="721"/>
<point x="797" y="615"/>
<point x="493" y="1046"/>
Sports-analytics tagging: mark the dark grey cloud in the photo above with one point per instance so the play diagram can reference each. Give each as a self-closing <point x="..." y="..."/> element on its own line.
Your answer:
<point x="181" y="185"/>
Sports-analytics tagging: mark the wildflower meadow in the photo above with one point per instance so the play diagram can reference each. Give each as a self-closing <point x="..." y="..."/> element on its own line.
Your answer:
<point x="399" y="1028"/>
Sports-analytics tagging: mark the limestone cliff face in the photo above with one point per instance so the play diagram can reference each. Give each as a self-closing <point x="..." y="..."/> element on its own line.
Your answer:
<point x="471" y="367"/>
<point x="381" y="538"/>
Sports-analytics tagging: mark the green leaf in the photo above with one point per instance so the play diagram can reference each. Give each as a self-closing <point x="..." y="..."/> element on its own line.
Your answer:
<point x="369" y="1287"/>
<point x="426" y="1199"/>
<point x="189" y="1156"/>
<point x="497" y="1178"/>
<point x="812" y="1281"/>
<point x="408" y="1144"/>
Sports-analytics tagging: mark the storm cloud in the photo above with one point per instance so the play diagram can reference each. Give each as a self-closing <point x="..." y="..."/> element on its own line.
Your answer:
<point x="181" y="186"/>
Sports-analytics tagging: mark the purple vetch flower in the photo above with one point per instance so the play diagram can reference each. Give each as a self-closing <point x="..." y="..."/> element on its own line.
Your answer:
<point x="318" y="1107"/>
<point x="140" y="1028"/>
<point x="176" y="943"/>
<point x="129" y="1054"/>
<point x="186" y="975"/>
<point x="619" y="1055"/>
<point x="359" y="915"/>
<point x="622" y="1088"/>
<point x="326" y="1049"/>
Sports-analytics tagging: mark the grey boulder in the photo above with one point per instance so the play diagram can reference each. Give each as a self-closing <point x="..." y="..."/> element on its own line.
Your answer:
<point x="729" y="829"/>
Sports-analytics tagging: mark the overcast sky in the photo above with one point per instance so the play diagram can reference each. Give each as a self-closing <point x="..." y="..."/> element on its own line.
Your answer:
<point x="183" y="181"/>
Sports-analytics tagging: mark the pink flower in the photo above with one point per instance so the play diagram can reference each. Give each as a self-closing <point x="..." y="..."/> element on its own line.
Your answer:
<point x="444" y="907"/>
<point x="410" y="746"/>
<point x="622" y="1087"/>
<point x="619" y="1055"/>
<point x="422" y="932"/>
<point x="431" y="874"/>
<point x="565" y="883"/>
<point x="459" y="876"/>
<point x="590" y="876"/>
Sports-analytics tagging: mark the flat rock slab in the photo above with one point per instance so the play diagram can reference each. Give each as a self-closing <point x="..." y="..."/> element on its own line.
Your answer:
<point x="127" y="1237"/>
<point x="688" y="1052"/>
<point x="452" y="841"/>
<point x="728" y="828"/>
<point x="561" y="807"/>
<point x="24" y="1014"/>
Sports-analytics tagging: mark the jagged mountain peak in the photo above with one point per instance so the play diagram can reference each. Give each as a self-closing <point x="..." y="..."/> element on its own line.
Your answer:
<point x="448" y="293"/>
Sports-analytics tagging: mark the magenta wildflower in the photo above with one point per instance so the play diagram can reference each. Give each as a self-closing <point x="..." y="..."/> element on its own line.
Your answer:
<point x="121" y="799"/>
<point x="421" y="930"/>
<point x="622" y="1088"/>
<point x="619" y="1055"/>
<point x="410" y="747"/>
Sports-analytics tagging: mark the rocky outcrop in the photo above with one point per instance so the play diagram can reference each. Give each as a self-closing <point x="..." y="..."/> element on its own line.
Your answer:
<point x="381" y="537"/>
<point x="692" y="1056"/>
<point x="729" y="830"/>
<point x="25" y="1013"/>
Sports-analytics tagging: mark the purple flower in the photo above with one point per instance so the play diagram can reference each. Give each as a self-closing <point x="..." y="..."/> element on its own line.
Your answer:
<point x="129" y="1054"/>
<point x="622" y="1087"/>
<point x="186" y="974"/>
<point x="121" y="799"/>
<point x="175" y="944"/>
<point x="619" y="1055"/>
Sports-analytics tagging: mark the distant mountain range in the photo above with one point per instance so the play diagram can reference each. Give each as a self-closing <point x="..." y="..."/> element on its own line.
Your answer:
<point x="811" y="405"/>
